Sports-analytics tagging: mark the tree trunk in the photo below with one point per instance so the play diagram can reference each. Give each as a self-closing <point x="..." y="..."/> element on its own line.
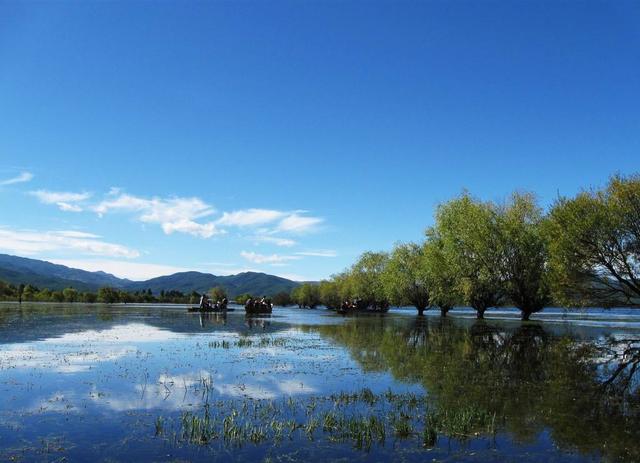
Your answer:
<point x="480" y="314"/>
<point x="420" y="311"/>
<point x="444" y="311"/>
<point x="525" y="315"/>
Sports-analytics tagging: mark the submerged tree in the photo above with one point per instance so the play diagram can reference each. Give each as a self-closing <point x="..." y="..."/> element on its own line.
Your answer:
<point x="306" y="295"/>
<point x="366" y="279"/>
<point x="594" y="241"/>
<point x="282" y="299"/>
<point x="440" y="274"/>
<point x="70" y="294"/>
<point x="218" y="293"/>
<point x="524" y="250"/>
<point x="470" y="240"/>
<point x="404" y="278"/>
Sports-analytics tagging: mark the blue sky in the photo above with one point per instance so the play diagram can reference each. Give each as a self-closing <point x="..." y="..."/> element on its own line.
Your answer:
<point x="143" y="138"/>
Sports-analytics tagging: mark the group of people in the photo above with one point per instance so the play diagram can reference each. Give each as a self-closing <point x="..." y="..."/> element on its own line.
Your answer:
<point x="208" y="304"/>
<point x="256" y="305"/>
<point x="361" y="305"/>
<point x="348" y="305"/>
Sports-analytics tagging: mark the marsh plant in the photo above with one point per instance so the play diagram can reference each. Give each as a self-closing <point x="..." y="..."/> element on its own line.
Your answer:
<point x="361" y="418"/>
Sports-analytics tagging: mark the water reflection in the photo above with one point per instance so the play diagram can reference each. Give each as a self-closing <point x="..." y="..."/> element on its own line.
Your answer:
<point x="585" y="394"/>
<point x="556" y="391"/>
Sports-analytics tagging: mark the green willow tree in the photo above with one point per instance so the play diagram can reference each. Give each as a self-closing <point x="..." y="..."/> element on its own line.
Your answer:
<point x="470" y="241"/>
<point x="366" y="280"/>
<point x="70" y="294"/>
<point x="306" y="295"/>
<point x="218" y="293"/>
<point x="404" y="279"/>
<point x="440" y="275"/>
<point x="525" y="256"/>
<point x="594" y="242"/>
<point x="330" y="294"/>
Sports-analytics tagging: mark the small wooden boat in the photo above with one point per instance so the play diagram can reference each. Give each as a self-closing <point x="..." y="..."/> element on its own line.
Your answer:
<point x="210" y="310"/>
<point x="258" y="307"/>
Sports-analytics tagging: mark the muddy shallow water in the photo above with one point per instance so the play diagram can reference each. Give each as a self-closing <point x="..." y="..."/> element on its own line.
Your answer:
<point x="153" y="383"/>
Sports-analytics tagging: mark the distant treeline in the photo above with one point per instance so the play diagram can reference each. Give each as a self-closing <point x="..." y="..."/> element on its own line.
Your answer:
<point x="29" y="293"/>
<point x="585" y="251"/>
<point x="108" y="295"/>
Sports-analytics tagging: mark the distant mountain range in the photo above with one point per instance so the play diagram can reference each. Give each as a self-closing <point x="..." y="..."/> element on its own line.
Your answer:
<point x="16" y="270"/>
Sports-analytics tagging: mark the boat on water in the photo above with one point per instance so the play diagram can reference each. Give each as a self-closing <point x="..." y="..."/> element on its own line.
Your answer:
<point x="360" y="306"/>
<point x="210" y="309"/>
<point x="258" y="306"/>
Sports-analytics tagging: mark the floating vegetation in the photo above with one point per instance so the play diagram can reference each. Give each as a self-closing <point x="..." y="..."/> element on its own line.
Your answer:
<point x="264" y="341"/>
<point x="362" y="418"/>
<point x="159" y="426"/>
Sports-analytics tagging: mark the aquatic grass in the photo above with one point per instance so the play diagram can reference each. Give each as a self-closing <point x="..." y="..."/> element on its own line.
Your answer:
<point x="362" y="418"/>
<point x="244" y="343"/>
<point x="465" y="422"/>
<point x="402" y="427"/>
<point x="311" y="426"/>
<point x="159" y="425"/>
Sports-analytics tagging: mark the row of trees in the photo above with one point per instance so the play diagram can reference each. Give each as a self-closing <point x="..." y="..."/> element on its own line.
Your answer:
<point x="282" y="298"/>
<point x="105" y="295"/>
<point x="584" y="251"/>
<point x="109" y="295"/>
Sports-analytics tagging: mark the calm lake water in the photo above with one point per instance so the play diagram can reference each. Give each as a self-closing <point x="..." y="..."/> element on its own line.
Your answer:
<point x="153" y="383"/>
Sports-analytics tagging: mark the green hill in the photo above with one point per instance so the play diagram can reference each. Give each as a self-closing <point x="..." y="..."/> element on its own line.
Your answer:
<point x="42" y="274"/>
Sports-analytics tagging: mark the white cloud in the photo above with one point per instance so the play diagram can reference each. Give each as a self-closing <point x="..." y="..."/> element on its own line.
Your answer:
<point x="250" y="217"/>
<point x="76" y="234"/>
<point x="282" y="242"/>
<point x="20" y="178"/>
<point x="66" y="207"/>
<point x="173" y="214"/>
<point x="296" y="223"/>
<point x="318" y="253"/>
<point x="264" y="259"/>
<point x="132" y="270"/>
<point x="291" y="222"/>
<point x="33" y="242"/>
<point x="66" y="201"/>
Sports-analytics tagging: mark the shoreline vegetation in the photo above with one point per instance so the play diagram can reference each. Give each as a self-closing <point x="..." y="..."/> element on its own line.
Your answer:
<point x="583" y="252"/>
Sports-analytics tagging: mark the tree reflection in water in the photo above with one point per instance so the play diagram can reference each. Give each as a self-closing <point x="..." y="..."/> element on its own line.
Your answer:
<point x="585" y="393"/>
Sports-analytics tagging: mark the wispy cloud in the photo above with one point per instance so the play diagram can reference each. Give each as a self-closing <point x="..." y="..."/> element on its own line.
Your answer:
<point x="318" y="253"/>
<point x="173" y="214"/>
<point x="287" y="222"/>
<point x="267" y="259"/>
<point x="282" y="242"/>
<point x="296" y="223"/>
<point x="20" y="178"/>
<point x="29" y="242"/>
<point x="250" y="217"/>
<point x="190" y="215"/>
<point x="66" y="201"/>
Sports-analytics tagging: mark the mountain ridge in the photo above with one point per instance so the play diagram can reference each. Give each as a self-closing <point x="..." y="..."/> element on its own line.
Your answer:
<point x="44" y="274"/>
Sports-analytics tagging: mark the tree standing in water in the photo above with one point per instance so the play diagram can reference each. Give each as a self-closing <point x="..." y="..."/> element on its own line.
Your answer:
<point x="470" y="240"/>
<point x="524" y="249"/>
<point x="594" y="242"/>
<point x="404" y="279"/>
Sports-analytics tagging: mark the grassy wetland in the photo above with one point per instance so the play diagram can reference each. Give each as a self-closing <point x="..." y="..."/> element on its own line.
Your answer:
<point x="153" y="383"/>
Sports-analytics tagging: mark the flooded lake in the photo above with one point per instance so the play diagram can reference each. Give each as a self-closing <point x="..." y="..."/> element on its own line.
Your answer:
<point x="153" y="383"/>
